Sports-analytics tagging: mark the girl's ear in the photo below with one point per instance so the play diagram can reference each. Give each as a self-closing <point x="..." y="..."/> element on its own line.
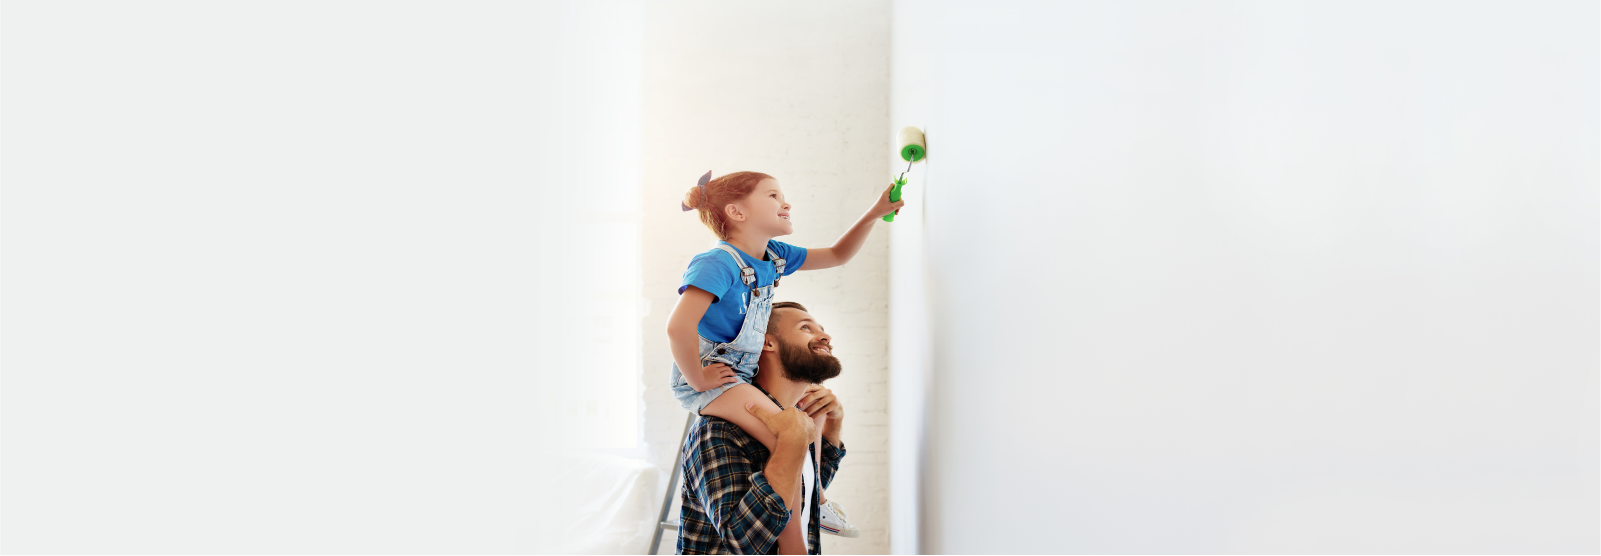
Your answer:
<point x="733" y="212"/>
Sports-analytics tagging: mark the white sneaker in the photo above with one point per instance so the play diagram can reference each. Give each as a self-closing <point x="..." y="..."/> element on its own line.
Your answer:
<point x="834" y="521"/>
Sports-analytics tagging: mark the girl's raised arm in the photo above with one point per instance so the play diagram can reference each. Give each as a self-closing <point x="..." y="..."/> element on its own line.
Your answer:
<point x="845" y="248"/>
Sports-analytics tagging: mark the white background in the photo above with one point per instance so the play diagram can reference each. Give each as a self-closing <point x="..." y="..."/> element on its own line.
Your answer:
<point x="1244" y="277"/>
<point x="1223" y="277"/>
<point x="319" y="277"/>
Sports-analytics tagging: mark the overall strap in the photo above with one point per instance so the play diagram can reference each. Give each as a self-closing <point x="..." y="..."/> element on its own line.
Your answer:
<point x="779" y="263"/>
<point x="746" y="273"/>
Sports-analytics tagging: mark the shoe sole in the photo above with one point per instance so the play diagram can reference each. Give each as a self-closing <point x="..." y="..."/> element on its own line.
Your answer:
<point x="833" y="531"/>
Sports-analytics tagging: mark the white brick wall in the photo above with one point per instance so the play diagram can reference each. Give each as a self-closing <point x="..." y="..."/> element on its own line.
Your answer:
<point x="800" y="92"/>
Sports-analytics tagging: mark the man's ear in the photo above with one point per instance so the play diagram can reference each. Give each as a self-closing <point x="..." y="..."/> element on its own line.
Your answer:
<point x="770" y="343"/>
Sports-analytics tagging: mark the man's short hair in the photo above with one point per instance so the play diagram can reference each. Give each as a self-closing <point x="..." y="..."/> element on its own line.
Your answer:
<point x="772" y="323"/>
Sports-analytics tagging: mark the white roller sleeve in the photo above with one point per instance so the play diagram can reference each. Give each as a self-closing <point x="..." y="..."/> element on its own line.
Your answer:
<point x="910" y="136"/>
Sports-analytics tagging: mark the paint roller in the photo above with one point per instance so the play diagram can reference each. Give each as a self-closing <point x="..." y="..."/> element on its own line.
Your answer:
<point x="913" y="148"/>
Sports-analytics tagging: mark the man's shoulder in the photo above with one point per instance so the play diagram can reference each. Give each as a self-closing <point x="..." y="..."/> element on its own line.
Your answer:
<point x="715" y="433"/>
<point x="717" y="427"/>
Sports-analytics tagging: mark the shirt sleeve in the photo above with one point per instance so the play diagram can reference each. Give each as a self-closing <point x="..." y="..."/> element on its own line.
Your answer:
<point x="708" y="273"/>
<point x="831" y="456"/>
<point x="742" y="506"/>
<point x="793" y="256"/>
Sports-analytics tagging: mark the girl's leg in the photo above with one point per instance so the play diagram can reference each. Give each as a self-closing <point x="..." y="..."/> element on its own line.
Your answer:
<point x="731" y="407"/>
<point x="817" y="441"/>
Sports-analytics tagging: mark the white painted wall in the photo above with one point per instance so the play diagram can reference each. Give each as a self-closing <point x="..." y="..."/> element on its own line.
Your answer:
<point x="800" y="92"/>
<point x="1247" y="277"/>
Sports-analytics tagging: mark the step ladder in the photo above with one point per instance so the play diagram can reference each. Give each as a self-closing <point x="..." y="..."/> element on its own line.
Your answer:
<point x="672" y="489"/>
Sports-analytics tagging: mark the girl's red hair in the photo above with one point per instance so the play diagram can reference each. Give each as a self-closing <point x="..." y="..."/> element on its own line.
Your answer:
<point x="720" y="193"/>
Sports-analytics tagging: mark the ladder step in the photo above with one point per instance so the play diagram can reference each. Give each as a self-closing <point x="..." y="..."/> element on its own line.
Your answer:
<point x="670" y="525"/>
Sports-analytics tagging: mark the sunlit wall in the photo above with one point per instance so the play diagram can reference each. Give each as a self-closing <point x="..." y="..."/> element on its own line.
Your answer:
<point x="1246" y="277"/>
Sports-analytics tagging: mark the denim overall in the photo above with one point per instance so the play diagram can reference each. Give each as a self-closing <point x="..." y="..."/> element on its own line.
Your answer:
<point x="742" y="353"/>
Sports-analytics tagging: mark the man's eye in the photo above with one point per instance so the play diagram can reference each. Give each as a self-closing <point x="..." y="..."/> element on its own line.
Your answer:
<point x="804" y="327"/>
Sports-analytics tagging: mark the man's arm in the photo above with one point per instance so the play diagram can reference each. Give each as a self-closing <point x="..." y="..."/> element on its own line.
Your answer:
<point x="745" y="510"/>
<point x="784" y="470"/>
<point x="749" y="507"/>
<point x="793" y="431"/>
<point x="832" y="454"/>
<point x="821" y="401"/>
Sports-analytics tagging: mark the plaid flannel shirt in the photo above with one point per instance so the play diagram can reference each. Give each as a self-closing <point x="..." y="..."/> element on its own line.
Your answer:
<point x="728" y="505"/>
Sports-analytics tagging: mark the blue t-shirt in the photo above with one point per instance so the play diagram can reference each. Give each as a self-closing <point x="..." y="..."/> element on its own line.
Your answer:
<point x="718" y="274"/>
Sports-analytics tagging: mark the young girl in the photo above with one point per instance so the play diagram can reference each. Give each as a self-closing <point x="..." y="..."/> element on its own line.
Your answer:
<point x="717" y="329"/>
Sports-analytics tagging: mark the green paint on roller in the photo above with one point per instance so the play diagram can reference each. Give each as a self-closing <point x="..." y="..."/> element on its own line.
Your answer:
<point x="912" y="153"/>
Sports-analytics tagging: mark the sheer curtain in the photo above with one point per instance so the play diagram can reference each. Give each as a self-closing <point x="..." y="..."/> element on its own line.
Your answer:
<point x="583" y="241"/>
<point x="587" y="289"/>
<point x="330" y="277"/>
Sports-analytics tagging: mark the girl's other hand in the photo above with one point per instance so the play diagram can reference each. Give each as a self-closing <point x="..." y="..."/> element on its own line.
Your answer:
<point x="885" y="206"/>
<point x="714" y="375"/>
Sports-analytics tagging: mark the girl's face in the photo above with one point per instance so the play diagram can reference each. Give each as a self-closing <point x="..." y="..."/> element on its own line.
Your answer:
<point x="765" y="211"/>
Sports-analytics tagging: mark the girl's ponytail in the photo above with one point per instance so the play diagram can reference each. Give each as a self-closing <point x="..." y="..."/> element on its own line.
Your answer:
<point x="695" y="198"/>
<point x="710" y="196"/>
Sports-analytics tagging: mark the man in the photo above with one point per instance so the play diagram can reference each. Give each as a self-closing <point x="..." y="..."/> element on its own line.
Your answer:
<point x="738" y="497"/>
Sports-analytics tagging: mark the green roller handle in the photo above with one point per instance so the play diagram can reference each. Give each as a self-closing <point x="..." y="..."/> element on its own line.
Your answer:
<point x="894" y="196"/>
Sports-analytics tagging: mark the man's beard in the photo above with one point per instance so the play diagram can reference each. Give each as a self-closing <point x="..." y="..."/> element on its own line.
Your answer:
<point x="804" y="365"/>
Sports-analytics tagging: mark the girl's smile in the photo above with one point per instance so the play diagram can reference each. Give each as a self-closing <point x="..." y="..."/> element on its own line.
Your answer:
<point x="769" y="199"/>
